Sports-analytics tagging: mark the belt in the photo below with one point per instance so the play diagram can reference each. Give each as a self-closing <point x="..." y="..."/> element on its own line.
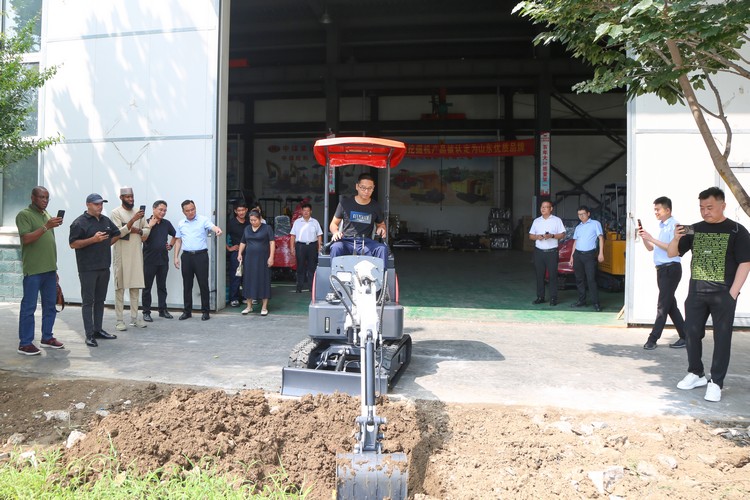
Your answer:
<point x="306" y="243"/>
<point x="547" y="250"/>
<point x="196" y="252"/>
<point x="662" y="266"/>
<point x="586" y="251"/>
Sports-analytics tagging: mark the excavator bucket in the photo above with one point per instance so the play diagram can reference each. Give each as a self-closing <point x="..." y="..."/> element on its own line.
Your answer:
<point x="371" y="476"/>
<point x="301" y="381"/>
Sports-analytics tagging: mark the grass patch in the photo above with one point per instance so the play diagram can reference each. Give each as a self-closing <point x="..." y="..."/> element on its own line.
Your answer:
<point x="28" y="476"/>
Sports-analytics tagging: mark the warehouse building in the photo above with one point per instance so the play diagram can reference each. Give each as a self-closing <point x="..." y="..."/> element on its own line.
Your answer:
<point x="214" y="101"/>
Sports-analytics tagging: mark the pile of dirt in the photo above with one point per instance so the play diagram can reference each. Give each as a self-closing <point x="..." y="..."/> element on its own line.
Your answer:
<point x="244" y="434"/>
<point x="44" y="410"/>
<point x="454" y="451"/>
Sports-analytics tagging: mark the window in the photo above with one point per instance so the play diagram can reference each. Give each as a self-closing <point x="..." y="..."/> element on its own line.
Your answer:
<point x="20" y="12"/>
<point x="18" y="179"/>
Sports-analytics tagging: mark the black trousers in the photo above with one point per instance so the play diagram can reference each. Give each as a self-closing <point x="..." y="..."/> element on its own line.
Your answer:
<point x="307" y="262"/>
<point x="584" y="267"/>
<point x="232" y="278"/>
<point x="94" y="286"/>
<point x="195" y="265"/>
<point x="159" y="272"/>
<point x="721" y="306"/>
<point x="667" y="279"/>
<point x="546" y="262"/>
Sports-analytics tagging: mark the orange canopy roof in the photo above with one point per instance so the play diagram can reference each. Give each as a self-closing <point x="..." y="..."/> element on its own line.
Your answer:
<point x="370" y="151"/>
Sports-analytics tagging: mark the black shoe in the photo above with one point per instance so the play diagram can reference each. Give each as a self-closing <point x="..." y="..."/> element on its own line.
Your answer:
<point x="650" y="345"/>
<point x="298" y="290"/>
<point x="147" y="317"/>
<point x="553" y="302"/>
<point x="91" y="342"/>
<point x="165" y="314"/>
<point x="205" y="317"/>
<point x="580" y="303"/>
<point x="101" y="334"/>
<point x="539" y="300"/>
<point x="597" y="308"/>
<point x="678" y="344"/>
<point x="185" y="315"/>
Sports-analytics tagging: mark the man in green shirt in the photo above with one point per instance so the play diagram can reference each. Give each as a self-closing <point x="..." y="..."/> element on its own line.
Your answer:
<point x="39" y="257"/>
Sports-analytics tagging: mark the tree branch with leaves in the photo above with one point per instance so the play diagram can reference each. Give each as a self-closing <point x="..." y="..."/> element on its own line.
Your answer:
<point x="669" y="48"/>
<point x="19" y="84"/>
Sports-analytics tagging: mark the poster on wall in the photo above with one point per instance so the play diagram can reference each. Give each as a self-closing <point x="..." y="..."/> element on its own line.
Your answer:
<point x="286" y="169"/>
<point x="444" y="181"/>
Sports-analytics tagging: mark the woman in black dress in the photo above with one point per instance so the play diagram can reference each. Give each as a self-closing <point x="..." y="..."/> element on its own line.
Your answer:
<point x="256" y="256"/>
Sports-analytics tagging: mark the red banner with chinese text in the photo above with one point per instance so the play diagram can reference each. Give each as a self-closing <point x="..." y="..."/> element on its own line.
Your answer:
<point x="524" y="147"/>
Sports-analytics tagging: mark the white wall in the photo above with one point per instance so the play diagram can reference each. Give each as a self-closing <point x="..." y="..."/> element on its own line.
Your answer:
<point x="667" y="157"/>
<point x="136" y="101"/>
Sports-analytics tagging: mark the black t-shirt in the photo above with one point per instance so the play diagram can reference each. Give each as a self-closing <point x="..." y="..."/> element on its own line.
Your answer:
<point x="155" y="251"/>
<point x="97" y="256"/>
<point x="235" y="230"/>
<point x="718" y="250"/>
<point x="358" y="220"/>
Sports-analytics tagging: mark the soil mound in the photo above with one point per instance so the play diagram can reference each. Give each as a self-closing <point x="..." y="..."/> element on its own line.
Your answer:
<point x="242" y="434"/>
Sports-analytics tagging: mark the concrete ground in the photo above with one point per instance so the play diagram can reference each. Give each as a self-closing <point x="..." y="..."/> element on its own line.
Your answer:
<point x="597" y="367"/>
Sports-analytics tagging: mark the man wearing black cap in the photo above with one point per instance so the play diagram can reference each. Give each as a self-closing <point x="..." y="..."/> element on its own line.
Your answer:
<point x="91" y="236"/>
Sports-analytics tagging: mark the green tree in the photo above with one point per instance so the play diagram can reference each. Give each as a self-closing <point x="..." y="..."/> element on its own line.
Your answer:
<point x="665" y="47"/>
<point x="19" y="84"/>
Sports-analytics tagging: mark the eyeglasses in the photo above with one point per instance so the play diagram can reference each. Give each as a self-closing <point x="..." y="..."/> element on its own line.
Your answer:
<point x="366" y="189"/>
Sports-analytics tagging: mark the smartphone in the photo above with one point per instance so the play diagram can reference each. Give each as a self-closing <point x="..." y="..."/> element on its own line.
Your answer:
<point x="60" y="214"/>
<point x="143" y="208"/>
<point x="686" y="229"/>
<point x="640" y="226"/>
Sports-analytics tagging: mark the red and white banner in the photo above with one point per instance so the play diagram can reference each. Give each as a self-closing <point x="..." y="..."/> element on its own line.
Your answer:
<point x="524" y="147"/>
<point x="544" y="163"/>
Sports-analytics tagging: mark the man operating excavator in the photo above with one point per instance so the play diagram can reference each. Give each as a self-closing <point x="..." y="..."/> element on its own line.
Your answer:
<point x="353" y="222"/>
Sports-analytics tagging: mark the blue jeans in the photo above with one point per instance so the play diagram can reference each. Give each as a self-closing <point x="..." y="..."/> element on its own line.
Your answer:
<point x="43" y="284"/>
<point x="360" y="246"/>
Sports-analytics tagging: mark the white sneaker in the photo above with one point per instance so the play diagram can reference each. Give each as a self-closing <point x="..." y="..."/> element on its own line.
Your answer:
<point x="138" y="324"/>
<point x="120" y="326"/>
<point x="713" y="393"/>
<point x="691" y="381"/>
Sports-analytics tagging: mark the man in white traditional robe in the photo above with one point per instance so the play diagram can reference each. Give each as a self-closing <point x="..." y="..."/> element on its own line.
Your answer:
<point x="128" y="257"/>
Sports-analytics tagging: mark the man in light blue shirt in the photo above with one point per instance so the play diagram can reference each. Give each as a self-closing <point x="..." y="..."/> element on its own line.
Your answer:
<point x="585" y="256"/>
<point x="668" y="274"/>
<point x="192" y="238"/>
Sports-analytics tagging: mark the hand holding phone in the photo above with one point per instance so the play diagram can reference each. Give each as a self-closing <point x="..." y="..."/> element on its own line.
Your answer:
<point x="60" y="214"/>
<point x="640" y="226"/>
<point x="142" y="208"/>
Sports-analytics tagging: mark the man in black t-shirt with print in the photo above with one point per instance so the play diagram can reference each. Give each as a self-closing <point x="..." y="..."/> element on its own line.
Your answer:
<point x="719" y="267"/>
<point x="352" y="224"/>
